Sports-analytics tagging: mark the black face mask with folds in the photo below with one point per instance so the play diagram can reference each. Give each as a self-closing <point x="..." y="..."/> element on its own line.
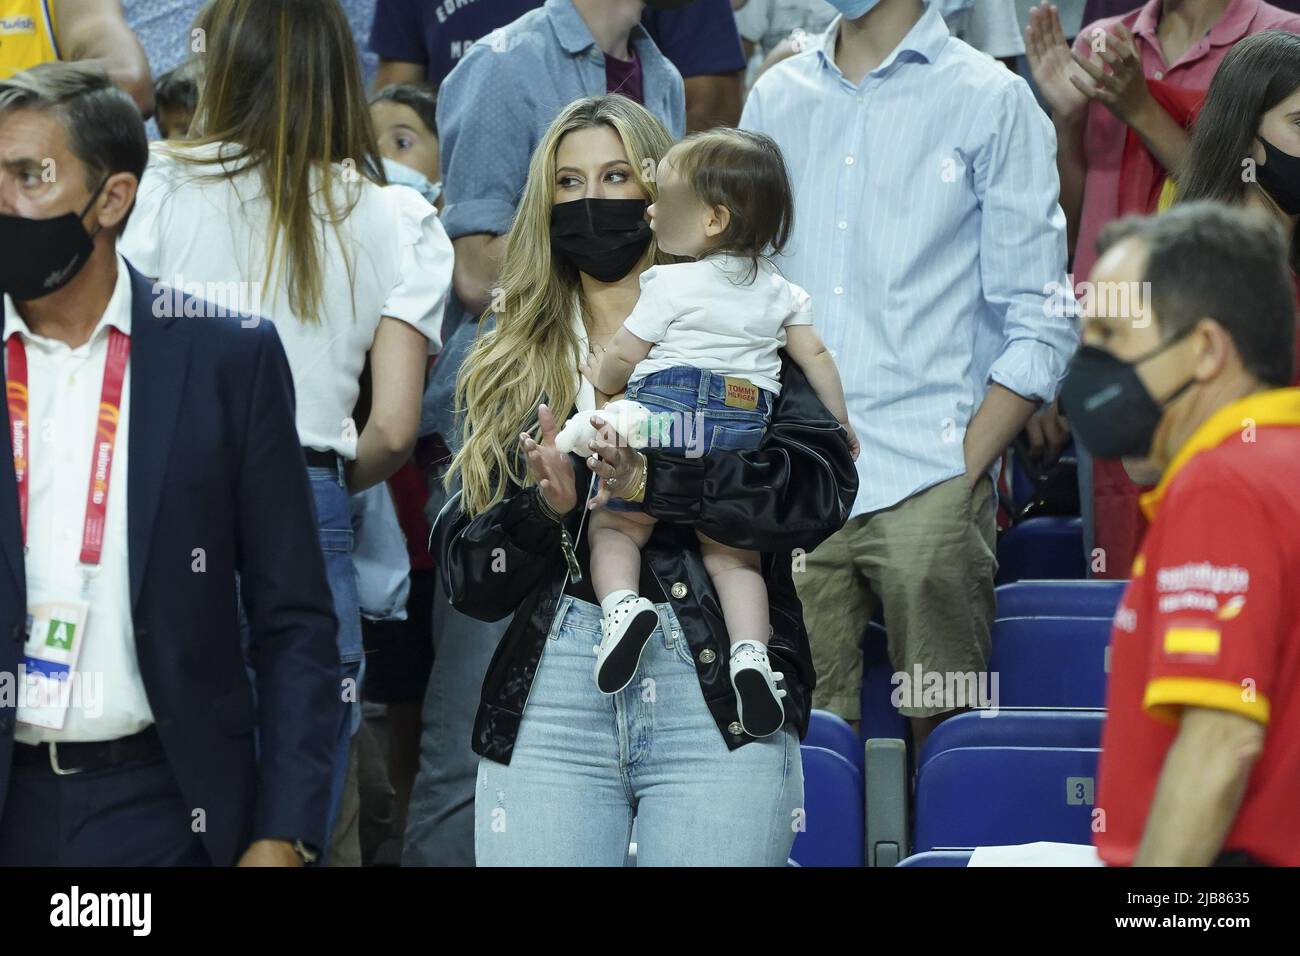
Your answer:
<point x="1109" y="408"/>
<point x="604" y="238"/>
<point x="41" y="256"/>
<point x="1280" y="178"/>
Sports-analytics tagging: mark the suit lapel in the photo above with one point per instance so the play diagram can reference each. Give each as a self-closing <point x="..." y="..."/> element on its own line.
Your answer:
<point x="12" y="545"/>
<point x="159" y="358"/>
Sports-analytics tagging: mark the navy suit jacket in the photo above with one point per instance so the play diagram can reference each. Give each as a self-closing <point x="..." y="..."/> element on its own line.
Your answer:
<point x="214" y="464"/>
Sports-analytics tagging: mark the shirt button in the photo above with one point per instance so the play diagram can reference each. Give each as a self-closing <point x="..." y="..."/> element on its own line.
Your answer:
<point x="848" y="160"/>
<point x="1159" y="75"/>
<point x="679" y="590"/>
<point x="839" y="290"/>
<point x="707" y="656"/>
<point x="843" y="224"/>
<point x="735" y="729"/>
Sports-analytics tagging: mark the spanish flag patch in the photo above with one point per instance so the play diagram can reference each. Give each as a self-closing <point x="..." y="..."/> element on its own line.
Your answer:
<point x="1202" y="641"/>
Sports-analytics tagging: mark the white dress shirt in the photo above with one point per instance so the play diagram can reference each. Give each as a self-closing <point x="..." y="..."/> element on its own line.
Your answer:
<point x="64" y="388"/>
<point x="928" y="233"/>
<point x="211" y="236"/>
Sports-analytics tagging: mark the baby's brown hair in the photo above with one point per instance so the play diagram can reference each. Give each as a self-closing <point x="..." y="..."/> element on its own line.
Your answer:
<point x="745" y="172"/>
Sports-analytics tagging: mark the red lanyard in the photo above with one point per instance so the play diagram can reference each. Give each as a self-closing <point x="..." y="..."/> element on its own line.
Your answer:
<point x="101" y="459"/>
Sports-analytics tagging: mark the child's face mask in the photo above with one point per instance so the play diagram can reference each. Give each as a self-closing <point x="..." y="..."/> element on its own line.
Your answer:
<point x="400" y="175"/>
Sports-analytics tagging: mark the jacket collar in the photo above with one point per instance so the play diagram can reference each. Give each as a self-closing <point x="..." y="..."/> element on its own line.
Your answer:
<point x="924" y="42"/>
<point x="160" y="360"/>
<point x="1231" y="26"/>
<point x="571" y="30"/>
<point x="1279" y="406"/>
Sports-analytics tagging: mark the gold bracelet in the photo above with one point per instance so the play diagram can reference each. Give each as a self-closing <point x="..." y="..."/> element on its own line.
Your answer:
<point x="639" y="495"/>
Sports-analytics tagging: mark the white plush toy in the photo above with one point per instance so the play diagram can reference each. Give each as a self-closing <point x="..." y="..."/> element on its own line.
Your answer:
<point x="630" y="419"/>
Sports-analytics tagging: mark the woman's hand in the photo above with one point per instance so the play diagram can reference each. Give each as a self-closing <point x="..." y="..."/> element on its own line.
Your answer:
<point x="549" y="466"/>
<point x="1124" y="89"/>
<point x="1051" y="63"/>
<point x="617" y="465"/>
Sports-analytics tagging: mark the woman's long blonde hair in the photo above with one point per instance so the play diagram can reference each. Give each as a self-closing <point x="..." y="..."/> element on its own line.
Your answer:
<point x="281" y="84"/>
<point x="533" y="353"/>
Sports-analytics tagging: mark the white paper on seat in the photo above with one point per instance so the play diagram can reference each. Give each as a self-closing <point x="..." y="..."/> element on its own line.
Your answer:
<point x="1036" y="854"/>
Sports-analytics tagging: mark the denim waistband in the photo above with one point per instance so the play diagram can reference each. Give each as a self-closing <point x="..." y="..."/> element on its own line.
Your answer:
<point x="705" y="384"/>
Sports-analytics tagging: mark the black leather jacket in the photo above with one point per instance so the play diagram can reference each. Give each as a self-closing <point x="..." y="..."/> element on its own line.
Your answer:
<point x="782" y="499"/>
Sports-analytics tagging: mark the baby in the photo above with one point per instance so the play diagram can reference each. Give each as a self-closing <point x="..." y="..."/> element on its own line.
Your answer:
<point x="699" y="351"/>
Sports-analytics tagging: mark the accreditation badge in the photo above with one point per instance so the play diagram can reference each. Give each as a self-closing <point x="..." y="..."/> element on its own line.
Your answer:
<point x="56" y="629"/>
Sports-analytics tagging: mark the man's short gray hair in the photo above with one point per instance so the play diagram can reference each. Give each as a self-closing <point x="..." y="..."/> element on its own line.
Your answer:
<point x="103" y="126"/>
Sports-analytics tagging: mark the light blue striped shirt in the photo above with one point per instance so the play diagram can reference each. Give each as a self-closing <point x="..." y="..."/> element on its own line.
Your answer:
<point x="928" y="233"/>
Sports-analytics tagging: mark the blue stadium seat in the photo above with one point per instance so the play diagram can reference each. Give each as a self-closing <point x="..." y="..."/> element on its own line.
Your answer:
<point x="831" y="732"/>
<point x="834" y="822"/>
<point x="1050" y="661"/>
<point x="879" y="717"/>
<point x="1077" y="729"/>
<point x="993" y="796"/>
<point x="1059" y="598"/>
<point x="1039" y="548"/>
<point x="938" y="858"/>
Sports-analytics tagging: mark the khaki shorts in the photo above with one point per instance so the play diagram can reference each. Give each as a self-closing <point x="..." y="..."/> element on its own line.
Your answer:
<point x="930" y="559"/>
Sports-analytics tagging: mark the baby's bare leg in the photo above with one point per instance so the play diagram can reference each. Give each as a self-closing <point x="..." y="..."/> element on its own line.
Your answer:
<point x="738" y="577"/>
<point x="617" y="538"/>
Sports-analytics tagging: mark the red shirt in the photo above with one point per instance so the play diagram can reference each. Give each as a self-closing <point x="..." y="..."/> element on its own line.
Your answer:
<point x="1104" y="134"/>
<point x="1211" y="619"/>
<point x="624" y="76"/>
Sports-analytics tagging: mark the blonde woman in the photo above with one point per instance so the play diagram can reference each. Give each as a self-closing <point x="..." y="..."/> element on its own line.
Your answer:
<point x="565" y="769"/>
<point x="277" y="207"/>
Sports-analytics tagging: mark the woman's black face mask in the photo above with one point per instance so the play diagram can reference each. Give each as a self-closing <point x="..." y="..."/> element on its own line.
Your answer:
<point x="1280" y="178"/>
<point x="1109" y="408"/>
<point x="604" y="238"/>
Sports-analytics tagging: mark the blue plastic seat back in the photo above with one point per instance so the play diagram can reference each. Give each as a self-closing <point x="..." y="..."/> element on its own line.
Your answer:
<point x="1040" y="548"/>
<point x="831" y="732"/>
<point x="995" y="796"/>
<point x="833" y="822"/>
<point x="938" y="858"/>
<point x="1077" y="729"/>
<point x="1049" y="662"/>
<point x="1059" y="598"/>
<point x="879" y="716"/>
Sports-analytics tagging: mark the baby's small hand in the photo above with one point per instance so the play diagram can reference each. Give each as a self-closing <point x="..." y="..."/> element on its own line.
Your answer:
<point x="590" y="369"/>
<point x="855" y="447"/>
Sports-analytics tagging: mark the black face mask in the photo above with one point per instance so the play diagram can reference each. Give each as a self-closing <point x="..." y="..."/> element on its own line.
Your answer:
<point x="1280" y="178"/>
<point x="41" y="256"/>
<point x="1110" y="410"/>
<point x="604" y="238"/>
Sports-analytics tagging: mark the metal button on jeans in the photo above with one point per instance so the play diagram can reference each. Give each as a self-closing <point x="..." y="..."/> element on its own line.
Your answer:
<point x="735" y="729"/>
<point x="679" y="590"/>
<point x="707" y="656"/>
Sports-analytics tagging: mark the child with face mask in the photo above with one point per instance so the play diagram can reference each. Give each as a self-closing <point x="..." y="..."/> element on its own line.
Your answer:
<point x="405" y="120"/>
<point x="699" y="352"/>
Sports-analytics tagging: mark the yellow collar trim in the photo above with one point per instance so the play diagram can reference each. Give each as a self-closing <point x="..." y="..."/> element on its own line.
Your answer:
<point x="1278" y="406"/>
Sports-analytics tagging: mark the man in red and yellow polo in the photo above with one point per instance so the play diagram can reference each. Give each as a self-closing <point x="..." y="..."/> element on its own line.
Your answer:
<point x="1188" y="344"/>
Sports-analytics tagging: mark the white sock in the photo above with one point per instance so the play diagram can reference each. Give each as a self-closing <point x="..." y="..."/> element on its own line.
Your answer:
<point x="613" y="599"/>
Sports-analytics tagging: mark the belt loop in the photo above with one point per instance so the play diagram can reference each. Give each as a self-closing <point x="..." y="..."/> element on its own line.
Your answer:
<point x="702" y="396"/>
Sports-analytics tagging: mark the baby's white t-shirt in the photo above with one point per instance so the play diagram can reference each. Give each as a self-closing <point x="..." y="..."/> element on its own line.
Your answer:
<point x="705" y="315"/>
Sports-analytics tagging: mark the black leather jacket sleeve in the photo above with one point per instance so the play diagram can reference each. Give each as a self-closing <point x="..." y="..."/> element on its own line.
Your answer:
<point x="793" y="491"/>
<point x="491" y="562"/>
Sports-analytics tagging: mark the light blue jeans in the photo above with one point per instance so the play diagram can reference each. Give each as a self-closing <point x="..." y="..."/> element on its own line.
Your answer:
<point x="334" y="524"/>
<point x="584" y="765"/>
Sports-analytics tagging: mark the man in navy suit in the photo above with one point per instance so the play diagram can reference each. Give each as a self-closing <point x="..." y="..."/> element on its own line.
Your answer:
<point x="149" y="458"/>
